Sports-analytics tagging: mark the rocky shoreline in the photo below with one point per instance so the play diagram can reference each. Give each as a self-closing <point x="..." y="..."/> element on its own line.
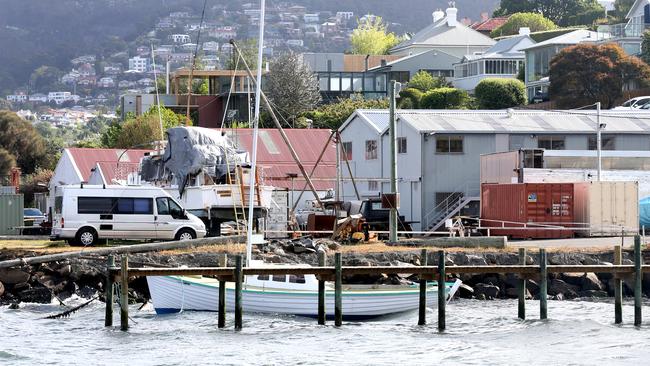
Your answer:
<point x="42" y="283"/>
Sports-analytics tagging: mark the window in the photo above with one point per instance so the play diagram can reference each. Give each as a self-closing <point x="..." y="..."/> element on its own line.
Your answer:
<point x="134" y="206"/>
<point x="163" y="206"/>
<point x="279" y="278"/>
<point x="550" y="142"/>
<point x="607" y="143"/>
<point x="297" y="278"/>
<point x="401" y="145"/>
<point x="58" y="204"/>
<point x="95" y="205"/>
<point x="371" y="149"/>
<point x="263" y="277"/>
<point x="346" y="148"/>
<point x="175" y="210"/>
<point x="373" y="185"/>
<point x="449" y="144"/>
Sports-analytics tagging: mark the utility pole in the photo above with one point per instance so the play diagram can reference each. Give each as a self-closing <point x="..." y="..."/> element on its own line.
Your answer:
<point x="599" y="140"/>
<point x="393" y="162"/>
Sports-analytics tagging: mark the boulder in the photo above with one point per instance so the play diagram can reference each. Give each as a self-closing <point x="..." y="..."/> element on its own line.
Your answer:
<point x="278" y="251"/>
<point x="487" y="290"/>
<point x="557" y="287"/>
<point x="513" y="293"/>
<point x="11" y="276"/>
<point x="465" y="292"/>
<point x="39" y="295"/>
<point x="475" y="260"/>
<point x="2" y="289"/>
<point x="586" y="281"/>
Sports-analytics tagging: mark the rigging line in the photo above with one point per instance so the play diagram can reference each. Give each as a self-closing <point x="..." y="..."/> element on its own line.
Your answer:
<point x="196" y="51"/>
<point x="232" y="86"/>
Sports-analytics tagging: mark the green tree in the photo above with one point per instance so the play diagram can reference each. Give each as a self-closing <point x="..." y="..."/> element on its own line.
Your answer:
<point x="409" y="98"/>
<point x="444" y="98"/>
<point x="45" y="78"/>
<point x="292" y="86"/>
<point x="371" y="37"/>
<point x="557" y="11"/>
<point x="248" y="50"/>
<point x="587" y="73"/>
<point x="333" y="115"/>
<point x="621" y="8"/>
<point x="535" y="21"/>
<point x="21" y="140"/>
<point x="141" y="131"/>
<point x="645" y="48"/>
<point x="494" y="93"/>
<point x="422" y="81"/>
<point x="112" y="133"/>
<point x="7" y="161"/>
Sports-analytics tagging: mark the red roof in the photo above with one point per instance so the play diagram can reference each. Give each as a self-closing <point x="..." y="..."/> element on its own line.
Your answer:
<point x="85" y="159"/>
<point x="112" y="170"/>
<point x="274" y="156"/>
<point x="490" y="24"/>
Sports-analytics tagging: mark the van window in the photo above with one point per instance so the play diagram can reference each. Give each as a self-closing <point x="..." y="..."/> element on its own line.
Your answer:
<point x="95" y="205"/>
<point x="58" y="204"/>
<point x="175" y="210"/>
<point x="163" y="206"/>
<point x="134" y="206"/>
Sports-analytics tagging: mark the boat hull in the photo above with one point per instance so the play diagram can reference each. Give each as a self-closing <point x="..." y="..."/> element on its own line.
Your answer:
<point x="172" y="294"/>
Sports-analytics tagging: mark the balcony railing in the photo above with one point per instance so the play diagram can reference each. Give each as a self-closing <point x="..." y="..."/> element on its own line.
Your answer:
<point x="622" y="30"/>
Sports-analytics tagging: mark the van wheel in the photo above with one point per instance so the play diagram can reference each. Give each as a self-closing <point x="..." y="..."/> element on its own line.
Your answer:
<point x="86" y="237"/>
<point x="185" y="234"/>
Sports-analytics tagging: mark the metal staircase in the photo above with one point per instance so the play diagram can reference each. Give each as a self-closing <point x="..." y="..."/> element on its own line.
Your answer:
<point x="450" y="207"/>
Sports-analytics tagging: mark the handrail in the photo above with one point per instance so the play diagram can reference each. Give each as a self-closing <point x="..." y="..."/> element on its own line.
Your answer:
<point x="468" y="190"/>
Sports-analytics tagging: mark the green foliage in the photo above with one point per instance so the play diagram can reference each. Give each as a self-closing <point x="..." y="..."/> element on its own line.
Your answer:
<point x="558" y="11"/>
<point x="141" y="131"/>
<point x="535" y="21"/>
<point x="587" y="17"/>
<point x="621" y="8"/>
<point x="444" y="98"/>
<point x="645" y="48"/>
<point x="422" y="81"/>
<point x="7" y="161"/>
<point x="371" y="37"/>
<point x="248" y="50"/>
<point x="45" y="78"/>
<point x="22" y="141"/>
<point x="494" y="93"/>
<point x="521" y="74"/>
<point x="112" y="133"/>
<point x="409" y="98"/>
<point x="587" y="73"/>
<point x="333" y="115"/>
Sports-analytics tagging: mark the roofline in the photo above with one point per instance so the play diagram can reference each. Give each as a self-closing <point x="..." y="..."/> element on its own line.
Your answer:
<point x="74" y="164"/>
<point x="359" y="113"/>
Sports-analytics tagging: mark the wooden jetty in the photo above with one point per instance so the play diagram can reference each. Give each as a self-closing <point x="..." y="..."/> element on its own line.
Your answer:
<point x="426" y="272"/>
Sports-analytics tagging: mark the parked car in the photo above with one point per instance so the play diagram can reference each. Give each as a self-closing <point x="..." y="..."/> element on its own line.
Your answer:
<point x="83" y="214"/>
<point x="634" y="103"/>
<point x="540" y="97"/>
<point x="33" y="219"/>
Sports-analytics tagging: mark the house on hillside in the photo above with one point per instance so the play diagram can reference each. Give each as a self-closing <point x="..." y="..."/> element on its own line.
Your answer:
<point x="503" y="60"/>
<point x="445" y="34"/>
<point x="438" y="155"/>
<point x="629" y="35"/>
<point x="487" y="25"/>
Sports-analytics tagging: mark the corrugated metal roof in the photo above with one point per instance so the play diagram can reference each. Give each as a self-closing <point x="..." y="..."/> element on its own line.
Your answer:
<point x="85" y="159"/>
<point x="472" y="121"/>
<point x="441" y="34"/>
<point x="274" y="156"/>
<point x="575" y="37"/>
<point x="119" y="171"/>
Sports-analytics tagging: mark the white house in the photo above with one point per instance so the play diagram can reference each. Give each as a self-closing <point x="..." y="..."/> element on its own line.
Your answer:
<point x="38" y="98"/>
<point x="139" y="64"/>
<point x="106" y="82"/>
<point x="629" y="35"/>
<point x="59" y="97"/>
<point x="17" y="98"/>
<point x="503" y="60"/>
<point x="180" y="38"/>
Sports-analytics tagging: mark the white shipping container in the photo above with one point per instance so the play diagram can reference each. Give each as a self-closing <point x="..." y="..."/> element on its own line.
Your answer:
<point x="278" y="216"/>
<point x="607" y="208"/>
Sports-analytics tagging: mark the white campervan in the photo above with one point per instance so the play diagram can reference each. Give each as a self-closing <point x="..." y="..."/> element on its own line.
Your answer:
<point x="85" y="213"/>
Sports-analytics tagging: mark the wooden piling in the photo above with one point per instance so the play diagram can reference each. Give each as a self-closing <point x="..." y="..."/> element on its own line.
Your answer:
<point x="638" y="275"/>
<point x="442" y="293"/>
<point x="338" y="291"/>
<point x="221" y="322"/>
<point x="108" y="317"/>
<point x="618" y="287"/>
<point x="321" y="290"/>
<point x="422" y="316"/>
<point x="238" y="292"/>
<point x="124" y="295"/>
<point x="521" y="290"/>
<point x="543" y="285"/>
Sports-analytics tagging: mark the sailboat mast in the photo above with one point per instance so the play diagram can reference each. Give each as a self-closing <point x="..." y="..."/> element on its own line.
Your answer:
<point x="256" y="121"/>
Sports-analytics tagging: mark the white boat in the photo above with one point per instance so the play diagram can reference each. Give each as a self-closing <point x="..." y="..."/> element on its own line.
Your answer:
<point x="294" y="295"/>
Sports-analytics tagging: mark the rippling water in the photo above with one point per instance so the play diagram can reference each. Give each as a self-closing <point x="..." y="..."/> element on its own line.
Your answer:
<point x="479" y="332"/>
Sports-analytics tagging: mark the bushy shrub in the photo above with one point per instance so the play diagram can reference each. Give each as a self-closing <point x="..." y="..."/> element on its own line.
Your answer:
<point x="496" y="93"/>
<point x="444" y="98"/>
<point x="409" y="98"/>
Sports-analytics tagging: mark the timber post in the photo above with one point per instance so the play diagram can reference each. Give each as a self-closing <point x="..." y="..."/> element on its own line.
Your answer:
<point x="124" y="294"/>
<point x="521" y="289"/>
<point x="321" y="290"/>
<point x="422" y="316"/>
<point x="238" y="292"/>
<point x="618" y="287"/>
<point x="442" y="293"/>
<point x="338" y="291"/>
<point x="108" y="317"/>
<point x="221" y="322"/>
<point x="543" y="285"/>
<point x="638" y="275"/>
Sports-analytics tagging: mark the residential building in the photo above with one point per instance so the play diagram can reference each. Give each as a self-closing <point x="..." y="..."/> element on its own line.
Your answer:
<point x="488" y="25"/>
<point x="84" y="59"/>
<point x="226" y="33"/>
<point x="38" y="98"/>
<point x="298" y="43"/>
<point x="59" y="97"/>
<point x="70" y="78"/>
<point x="311" y="18"/>
<point x="112" y="69"/>
<point x="439" y="150"/>
<point x="139" y="64"/>
<point x="17" y="98"/>
<point x="629" y="35"/>
<point x="180" y="38"/>
<point x="344" y="16"/>
<point x="445" y="34"/>
<point x="539" y="56"/>
<point x="503" y="60"/>
<point x="211" y="47"/>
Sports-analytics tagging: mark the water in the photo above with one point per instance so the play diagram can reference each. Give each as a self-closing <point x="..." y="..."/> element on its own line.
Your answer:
<point x="479" y="332"/>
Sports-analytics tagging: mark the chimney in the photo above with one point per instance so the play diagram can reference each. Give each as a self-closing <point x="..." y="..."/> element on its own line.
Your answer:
<point x="524" y="31"/>
<point x="452" y="19"/>
<point x="484" y="16"/>
<point x="383" y="62"/>
<point x="438" y="15"/>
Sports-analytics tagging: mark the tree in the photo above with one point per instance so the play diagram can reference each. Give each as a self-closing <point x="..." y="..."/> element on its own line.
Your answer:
<point x="409" y="98"/>
<point x="371" y="37"/>
<point x="7" y="161"/>
<point x="621" y="8"/>
<point x="444" y="98"/>
<point x="494" y="93"/>
<point x="557" y="11"/>
<point x="22" y="141"/>
<point x="292" y="86"/>
<point x="645" y="48"/>
<point x="535" y="21"/>
<point x="586" y="73"/>
<point x="45" y="78"/>
<point x="141" y="131"/>
<point x="333" y="115"/>
<point x="249" y="51"/>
